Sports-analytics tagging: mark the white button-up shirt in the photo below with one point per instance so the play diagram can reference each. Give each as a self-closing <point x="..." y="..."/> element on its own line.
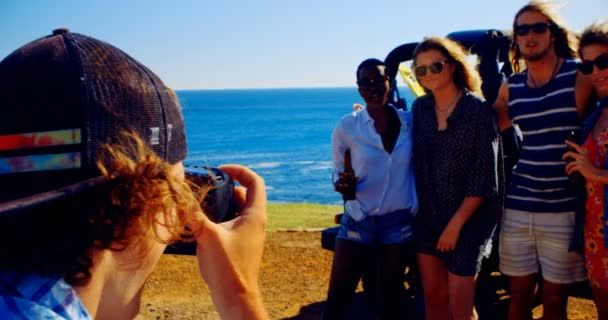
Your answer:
<point x="386" y="180"/>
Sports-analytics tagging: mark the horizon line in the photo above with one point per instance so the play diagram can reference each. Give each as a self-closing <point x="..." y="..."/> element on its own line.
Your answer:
<point x="266" y="88"/>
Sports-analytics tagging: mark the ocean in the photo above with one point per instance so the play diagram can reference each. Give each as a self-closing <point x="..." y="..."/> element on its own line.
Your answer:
<point x="282" y="134"/>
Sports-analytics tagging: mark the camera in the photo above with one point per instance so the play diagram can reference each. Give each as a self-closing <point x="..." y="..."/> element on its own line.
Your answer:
<point x="218" y="203"/>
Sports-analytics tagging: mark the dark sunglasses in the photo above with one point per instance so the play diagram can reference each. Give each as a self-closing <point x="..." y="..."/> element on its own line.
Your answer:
<point x="600" y="62"/>
<point x="435" y="67"/>
<point x="377" y="82"/>
<point x="538" y="28"/>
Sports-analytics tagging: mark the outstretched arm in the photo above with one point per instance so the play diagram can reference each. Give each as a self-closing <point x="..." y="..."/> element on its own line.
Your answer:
<point x="229" y="254"/>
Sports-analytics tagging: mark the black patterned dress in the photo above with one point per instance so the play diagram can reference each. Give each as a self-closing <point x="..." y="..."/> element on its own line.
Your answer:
<point x="458" y="162"/>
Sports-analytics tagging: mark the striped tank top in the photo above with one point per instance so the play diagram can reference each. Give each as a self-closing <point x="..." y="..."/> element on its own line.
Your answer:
<point x="544" y="116"/>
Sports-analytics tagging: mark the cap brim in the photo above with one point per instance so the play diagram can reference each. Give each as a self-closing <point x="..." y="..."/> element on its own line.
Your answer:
<point x="17" y="206"/>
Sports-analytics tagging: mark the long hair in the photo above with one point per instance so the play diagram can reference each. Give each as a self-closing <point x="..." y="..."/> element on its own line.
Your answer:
<point x="596" y="33"/>
<point x="564" y="44"/>
<point x="62" y="238"/>
<point x="465" y="76"/>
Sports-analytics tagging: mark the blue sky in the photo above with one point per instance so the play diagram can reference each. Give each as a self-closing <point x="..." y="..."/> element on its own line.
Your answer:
<point x="202" y="44"/>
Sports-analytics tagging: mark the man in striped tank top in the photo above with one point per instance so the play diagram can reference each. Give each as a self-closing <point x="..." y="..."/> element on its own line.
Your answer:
<point x="546" y="101"/>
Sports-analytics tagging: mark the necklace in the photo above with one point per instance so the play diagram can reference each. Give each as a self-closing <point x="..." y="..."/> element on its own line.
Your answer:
<point x="450" y="105"/>
<point x="550" y="78"/>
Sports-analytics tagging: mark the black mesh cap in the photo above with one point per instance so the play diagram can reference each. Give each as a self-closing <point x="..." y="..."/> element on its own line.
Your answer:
<point x="62" y="97"/>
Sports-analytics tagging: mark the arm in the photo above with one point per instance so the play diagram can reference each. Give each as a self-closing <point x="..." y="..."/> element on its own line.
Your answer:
<point x="501" y="105"/>
<point x="229" y="254"/>
<point x="487" y="50"/>
<point x="511" y="141"/>
<point x="339" y="146"/>
<point x="449" y="236"/>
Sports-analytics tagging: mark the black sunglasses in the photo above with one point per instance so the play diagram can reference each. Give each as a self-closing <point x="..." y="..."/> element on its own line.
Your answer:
<point x="435" y="67"/>
<point x="377" y="82"/>
<point x="600" y="62"/>
<point x="538" y="28"/>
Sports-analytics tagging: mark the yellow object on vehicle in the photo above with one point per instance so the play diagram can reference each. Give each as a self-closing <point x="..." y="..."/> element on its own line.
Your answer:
<point x="410" y="80"/>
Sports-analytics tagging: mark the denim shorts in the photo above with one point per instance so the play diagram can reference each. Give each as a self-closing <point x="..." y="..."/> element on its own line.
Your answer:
<point x="391" y="228"/>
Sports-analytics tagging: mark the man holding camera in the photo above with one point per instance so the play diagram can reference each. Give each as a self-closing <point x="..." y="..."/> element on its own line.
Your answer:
<point x="92" y="189"/>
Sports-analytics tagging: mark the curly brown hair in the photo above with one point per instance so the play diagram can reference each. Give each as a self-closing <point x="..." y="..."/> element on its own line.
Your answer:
<point x="465" y="77"/>
<point x="565" y="43"/>
<point x="61" y="238"/>
<point x="596" y="33"/>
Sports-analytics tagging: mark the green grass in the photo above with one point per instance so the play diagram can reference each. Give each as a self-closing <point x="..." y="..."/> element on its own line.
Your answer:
<point x="301" y="215"/>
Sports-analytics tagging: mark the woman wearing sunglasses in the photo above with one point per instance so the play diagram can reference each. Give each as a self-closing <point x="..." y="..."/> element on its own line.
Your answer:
<point x="591" y="161"/>
<point x="377" y="218"/>
<point x="455" y="161"/>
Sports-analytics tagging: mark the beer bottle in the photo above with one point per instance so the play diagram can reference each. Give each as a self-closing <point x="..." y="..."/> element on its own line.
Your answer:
<point x="348" y="175"/>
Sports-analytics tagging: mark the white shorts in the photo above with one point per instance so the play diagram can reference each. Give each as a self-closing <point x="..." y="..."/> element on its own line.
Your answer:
<point x="531" y="242"/>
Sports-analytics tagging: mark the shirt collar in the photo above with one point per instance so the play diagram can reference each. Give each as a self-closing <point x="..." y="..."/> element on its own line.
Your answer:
<point x="368" y="118"/>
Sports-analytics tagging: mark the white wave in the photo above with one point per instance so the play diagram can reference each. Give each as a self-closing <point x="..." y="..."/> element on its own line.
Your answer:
<point x="319" y="165"/>
<point x="197" y="157"/>
<point x="305" y="162"/>
<point x="265" y="165"/>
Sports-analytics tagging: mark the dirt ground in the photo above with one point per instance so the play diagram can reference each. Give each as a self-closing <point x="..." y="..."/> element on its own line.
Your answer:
<point x="294" y="279"/>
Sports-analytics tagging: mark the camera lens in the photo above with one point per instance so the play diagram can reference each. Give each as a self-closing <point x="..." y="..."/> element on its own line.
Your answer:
<point x="218" y="203"/>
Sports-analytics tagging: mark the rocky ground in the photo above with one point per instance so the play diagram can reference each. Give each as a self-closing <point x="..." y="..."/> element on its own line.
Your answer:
<point x="294" y="277"/>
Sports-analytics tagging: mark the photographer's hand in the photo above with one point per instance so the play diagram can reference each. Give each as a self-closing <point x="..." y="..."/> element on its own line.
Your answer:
<point x="229" y="254"/>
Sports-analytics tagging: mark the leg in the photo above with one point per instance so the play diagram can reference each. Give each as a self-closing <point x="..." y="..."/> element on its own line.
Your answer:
<point x="559" y="266"/>
<point x="369" y="279"/>
<point x="555" y="300"/>
<point x="346" y="271"/>
<point x="414" y="295"/>
<point x="391" y="281"/>
<point x="523" y="289"/>
<point x="519" y="260"/>
<point x="600" y="298"/>
<point x="462" y="297"/>
<point x="434" y="276"/>
<point x="490" y="289"/>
